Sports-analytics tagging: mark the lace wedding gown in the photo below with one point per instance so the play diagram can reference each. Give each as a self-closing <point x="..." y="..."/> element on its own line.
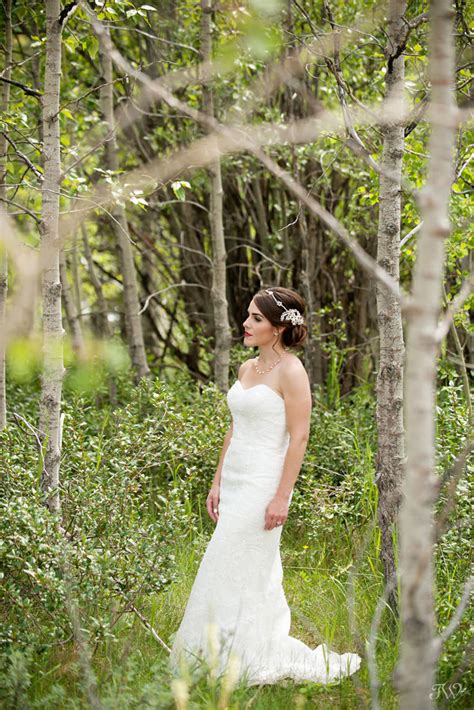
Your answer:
<point x="237" y="600"/>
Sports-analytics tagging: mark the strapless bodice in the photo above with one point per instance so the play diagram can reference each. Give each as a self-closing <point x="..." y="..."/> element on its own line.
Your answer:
<point x="259" y="417"/>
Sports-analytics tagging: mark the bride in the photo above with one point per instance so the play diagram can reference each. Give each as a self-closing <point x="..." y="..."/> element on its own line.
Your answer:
<point x="237" y="610"/>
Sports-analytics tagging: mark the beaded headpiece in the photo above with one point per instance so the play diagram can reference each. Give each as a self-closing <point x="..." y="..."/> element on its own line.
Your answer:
<point x="291" y="314"/>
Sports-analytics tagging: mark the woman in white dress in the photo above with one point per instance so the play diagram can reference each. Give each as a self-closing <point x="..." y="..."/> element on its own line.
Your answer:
<point x="237" y="608"/>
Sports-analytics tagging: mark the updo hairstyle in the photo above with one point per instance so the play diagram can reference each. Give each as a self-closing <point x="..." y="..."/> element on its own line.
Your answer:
<point x="293" y="336"/>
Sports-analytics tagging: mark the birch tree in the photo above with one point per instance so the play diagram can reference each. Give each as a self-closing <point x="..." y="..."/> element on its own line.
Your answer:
<point x="416" y="669"/>
<point x="389" y="412"/>
<point x="4" y="99"/>
<point x="219" y="278"/>
<point x="133" y="321"/>
<point x="53" y="369"/>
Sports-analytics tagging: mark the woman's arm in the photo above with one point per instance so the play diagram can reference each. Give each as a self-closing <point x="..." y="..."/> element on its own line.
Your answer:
<point x="212" y="501"/>
<point x="297" y="392"/>
<point x="217" y="476"/>
<point x="228" y="436"/>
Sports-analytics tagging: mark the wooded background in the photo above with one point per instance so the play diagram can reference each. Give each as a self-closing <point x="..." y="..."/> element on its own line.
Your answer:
<point x="161" y="162"/>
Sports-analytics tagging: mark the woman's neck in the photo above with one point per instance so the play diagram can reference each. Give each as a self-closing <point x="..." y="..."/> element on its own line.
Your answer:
<point x="267" y="355"/>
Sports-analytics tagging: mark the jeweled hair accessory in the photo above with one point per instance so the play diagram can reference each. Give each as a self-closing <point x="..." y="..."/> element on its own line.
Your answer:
<point x="291" y="314"/>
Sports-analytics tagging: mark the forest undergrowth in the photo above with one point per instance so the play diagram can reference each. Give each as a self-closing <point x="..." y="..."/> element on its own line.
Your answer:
<point x="88" y="609"/>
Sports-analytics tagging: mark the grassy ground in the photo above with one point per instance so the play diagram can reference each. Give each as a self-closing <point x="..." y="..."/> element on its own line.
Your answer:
<point x="132" y="672"/>
<point x="115" y="475"/>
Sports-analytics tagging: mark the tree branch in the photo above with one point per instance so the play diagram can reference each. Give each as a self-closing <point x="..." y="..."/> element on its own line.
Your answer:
<point x="455" y="305"/>
<point x="67" y="12"/>
<point x="22" y="208"/>
<point x="23" y="87"/>
<point x="456" y="618"/>
<point x="244" y="140"/>
<point x="22" y="156"/>
<point x="452" y="476"/>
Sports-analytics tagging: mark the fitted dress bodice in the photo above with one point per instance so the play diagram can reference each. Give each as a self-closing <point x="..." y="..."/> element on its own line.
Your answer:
<point x="259" y="418"/>
<point x="255" y="457"/>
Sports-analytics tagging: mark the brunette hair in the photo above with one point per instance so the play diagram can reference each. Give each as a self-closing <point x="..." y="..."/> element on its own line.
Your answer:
<point x="293" y="336"/>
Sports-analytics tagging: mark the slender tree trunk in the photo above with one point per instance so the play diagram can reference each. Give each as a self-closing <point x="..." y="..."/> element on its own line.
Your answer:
<point x="306" y="280"/>
<point x="416" y="669"/>
<point x="4" y="99"/>
<point x="390" y="451"/>
<point x="219" y="274"/>
<point x="70" y="308"/>
<point x="97" y="286"/>
<point x="106" y="330"/>
<point x="360" y="362"/>
<point x="75" y="277"/>
<point x="53" y="369"/>
<point x="132" y="305"/>
<point x="467" y="264"/>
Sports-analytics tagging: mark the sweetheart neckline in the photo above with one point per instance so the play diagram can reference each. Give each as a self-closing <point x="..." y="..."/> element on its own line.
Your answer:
<point x="260" y="384"/>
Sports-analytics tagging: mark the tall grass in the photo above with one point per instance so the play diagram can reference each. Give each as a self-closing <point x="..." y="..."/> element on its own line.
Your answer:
<point x="135" y="482"/>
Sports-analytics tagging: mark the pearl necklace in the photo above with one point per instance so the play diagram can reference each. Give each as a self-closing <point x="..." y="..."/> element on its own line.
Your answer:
<point x="262" y="372"/>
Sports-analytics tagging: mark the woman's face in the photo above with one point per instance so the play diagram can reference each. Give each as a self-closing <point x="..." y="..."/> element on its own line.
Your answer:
<point x="257" y="328"/>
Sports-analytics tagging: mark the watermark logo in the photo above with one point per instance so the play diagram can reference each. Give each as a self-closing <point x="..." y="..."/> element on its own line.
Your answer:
<point x="449" y="691"/>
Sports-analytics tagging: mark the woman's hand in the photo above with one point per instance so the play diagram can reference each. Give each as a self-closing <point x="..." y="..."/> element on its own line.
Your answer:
<point x="276" y="512"/>
<point x="212" y="502"/>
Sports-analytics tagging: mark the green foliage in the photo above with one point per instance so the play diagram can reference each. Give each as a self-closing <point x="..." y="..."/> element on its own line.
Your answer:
<point x="336" y="478"/>
<point x="134" y="482"/>
<point x="101" y="359"/>
<point x="135" y="475"/>
<point x="126" y="479"/>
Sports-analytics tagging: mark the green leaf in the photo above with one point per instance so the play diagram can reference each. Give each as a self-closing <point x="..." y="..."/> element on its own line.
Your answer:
<point x="178" y="189"/>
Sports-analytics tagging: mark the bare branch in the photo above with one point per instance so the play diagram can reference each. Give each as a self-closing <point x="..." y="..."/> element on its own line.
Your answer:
<point x="23" y="87"/>
<point x="453" y="307"/>
<point x="400" y="48"/>
<point x="453" y="475"/>
<point x="22" y="208"/>
<point x="456" y="618"/>
<point x="23" y="157"/>
<point x="364" y="259"/>
<point x="31" y="428"/>
<point x="246" y="141"/>
<point x="411" y="233"/>
<point x="168" y="288"/>
<point x="150" y="628"/>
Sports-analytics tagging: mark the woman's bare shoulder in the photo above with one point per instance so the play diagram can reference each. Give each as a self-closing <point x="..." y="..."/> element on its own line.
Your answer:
<point x="293" y="369"/>
<point x="292" y="362"/>
<point x="244" y="366"/>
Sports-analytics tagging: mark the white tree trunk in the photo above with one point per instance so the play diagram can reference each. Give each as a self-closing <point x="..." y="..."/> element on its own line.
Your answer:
<point x="416" y="670"/>
<point x="53" y="369"/>
<point x="132" y="306"/>
<point x="219" y="273"/>
<point x="70" y="308"/>
<point x="4" y="99"/>
<point x="390" y="449"/>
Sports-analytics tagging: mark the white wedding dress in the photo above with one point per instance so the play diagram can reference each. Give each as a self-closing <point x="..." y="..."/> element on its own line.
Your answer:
<point x="237" y="606"/>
